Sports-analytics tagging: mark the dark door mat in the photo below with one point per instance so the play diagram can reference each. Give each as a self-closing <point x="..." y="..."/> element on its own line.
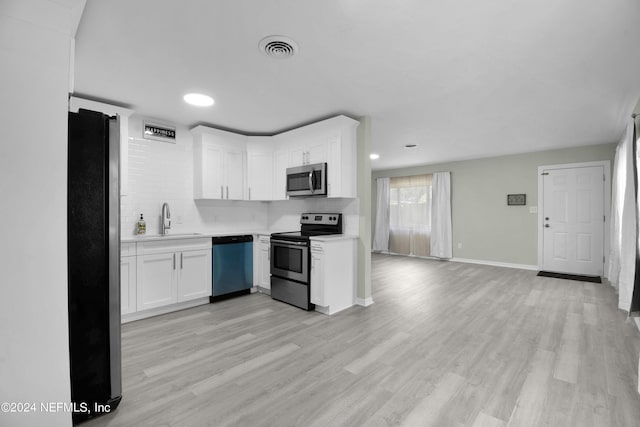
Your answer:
<point x="593" y="279"/>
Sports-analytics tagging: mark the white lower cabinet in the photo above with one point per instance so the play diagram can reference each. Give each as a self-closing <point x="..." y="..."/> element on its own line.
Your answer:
<point x="264" y="258"/>
<point x="317" y="276"/>
<point x="194" y="275"/>
<point x="162" y="273"/>
<point x="157" y="280"/>
<point x="127" y="284"/>
<point x="333" y="274"/>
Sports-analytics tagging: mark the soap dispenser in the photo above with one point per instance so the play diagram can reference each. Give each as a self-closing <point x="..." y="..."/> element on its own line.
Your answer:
<point x="142" y="226"/>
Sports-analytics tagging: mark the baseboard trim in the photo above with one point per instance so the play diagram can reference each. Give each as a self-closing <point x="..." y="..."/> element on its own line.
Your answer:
<point x="262" y="290"/>
<point x="496" y="263"/>
<point x="139" y="315"/>
<point x="364" y="302"/>
<point x="323" y="310"/>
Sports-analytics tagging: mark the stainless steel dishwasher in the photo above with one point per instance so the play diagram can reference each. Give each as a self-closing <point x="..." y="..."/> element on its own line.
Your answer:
<point x="232" y="266"/>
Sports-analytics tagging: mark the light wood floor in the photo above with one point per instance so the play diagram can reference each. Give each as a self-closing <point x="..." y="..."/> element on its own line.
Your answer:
<point x="445" y="344"/>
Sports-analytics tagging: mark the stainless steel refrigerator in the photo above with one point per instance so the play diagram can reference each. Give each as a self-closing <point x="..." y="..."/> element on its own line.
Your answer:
<point x="93" y="248"/>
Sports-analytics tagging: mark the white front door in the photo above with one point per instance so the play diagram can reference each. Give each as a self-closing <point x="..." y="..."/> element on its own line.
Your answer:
<point x="573" y="220"/>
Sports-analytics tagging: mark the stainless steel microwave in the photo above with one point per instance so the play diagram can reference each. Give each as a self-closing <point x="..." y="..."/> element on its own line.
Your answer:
<point x="307" y="180"/>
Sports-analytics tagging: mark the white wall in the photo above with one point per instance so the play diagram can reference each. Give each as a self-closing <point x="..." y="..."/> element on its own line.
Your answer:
<point x="34" y="348"/>
<point x="486" y="228"/>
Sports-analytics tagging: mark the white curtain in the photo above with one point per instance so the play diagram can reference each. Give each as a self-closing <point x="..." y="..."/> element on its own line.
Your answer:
<point x="617" y="199"/>
<point x="441" y="246"/>
<point x="381" y="233"/>
<point x="622" y="257"/>
<point x="410" y="215"/>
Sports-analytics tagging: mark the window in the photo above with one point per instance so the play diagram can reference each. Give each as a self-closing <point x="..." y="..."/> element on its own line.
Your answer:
<point x="410" y="215"/>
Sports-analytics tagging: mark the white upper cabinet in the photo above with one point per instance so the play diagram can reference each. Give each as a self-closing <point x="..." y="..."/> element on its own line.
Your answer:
<point x="280" y="165"/>
<point x="332" y="141"/>
<point x="219" y="160"/>
<point x="236" y="167"/>
<point x="310" y="152"/>
<point x="260" y="168"/>
<point x="233" y="168"/>
<point x="212" y="182"/>
<point x="314" y="152"/>
<point x="317" y="151"/>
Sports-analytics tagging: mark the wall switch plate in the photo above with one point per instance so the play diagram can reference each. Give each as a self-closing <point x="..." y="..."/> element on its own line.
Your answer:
<point x="533" y="209"/>
<point x="459" y="245"/>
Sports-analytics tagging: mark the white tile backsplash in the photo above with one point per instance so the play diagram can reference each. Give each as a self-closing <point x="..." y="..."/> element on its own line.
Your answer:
<point x="158" y="172"/>
<point x="163" y="172"/>
<point x="285" y="215"/>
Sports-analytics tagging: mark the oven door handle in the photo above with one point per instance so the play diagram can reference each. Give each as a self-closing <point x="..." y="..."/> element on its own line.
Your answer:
<point x="282" y="242"/>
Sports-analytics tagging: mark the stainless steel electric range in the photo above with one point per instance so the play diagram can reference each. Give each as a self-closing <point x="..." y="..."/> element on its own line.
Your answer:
<point x="291" y="259"/>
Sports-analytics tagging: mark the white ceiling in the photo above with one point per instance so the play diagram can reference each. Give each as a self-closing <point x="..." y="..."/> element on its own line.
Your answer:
<point x="462" y="79"/>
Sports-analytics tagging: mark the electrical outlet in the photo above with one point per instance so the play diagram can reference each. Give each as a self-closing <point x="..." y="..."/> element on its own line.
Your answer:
<point x="459" y="245"/>
<point x="179" y="219"/>
<point x="533" y="209"/>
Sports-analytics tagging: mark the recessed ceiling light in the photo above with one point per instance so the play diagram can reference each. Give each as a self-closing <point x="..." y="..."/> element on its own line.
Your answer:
<point x="410" y="146"/>
<point x="374" y="156"/>
<point x="198" y="99"/>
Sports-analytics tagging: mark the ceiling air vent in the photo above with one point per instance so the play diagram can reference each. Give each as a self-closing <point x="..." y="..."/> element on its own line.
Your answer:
<point x="278" y="47"/>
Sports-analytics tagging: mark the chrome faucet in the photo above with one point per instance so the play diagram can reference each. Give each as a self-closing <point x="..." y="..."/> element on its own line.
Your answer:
<point x="166" y="218"/>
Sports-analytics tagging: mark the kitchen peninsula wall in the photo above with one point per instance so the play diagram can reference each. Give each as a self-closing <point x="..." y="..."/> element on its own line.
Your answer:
<point x="163" y="172"/>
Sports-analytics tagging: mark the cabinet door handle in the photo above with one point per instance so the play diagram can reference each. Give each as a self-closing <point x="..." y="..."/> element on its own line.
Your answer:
<point x="249" y="193"/>
<point x="181" y="256"/>
<point x="221" y="192"/>
<point x="227" y="192"/>
<point x="173" y="258"/>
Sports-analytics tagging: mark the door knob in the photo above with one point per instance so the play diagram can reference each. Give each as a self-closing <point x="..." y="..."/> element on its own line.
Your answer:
<point x="546" y="218"/>
<point x="546" y="225"/>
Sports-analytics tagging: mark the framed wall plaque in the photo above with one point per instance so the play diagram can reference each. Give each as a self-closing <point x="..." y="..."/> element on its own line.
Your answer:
<point x="516" y="199"/>
<point x="159" y="132"/>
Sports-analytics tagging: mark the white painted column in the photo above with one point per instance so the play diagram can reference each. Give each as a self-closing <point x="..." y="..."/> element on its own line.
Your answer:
<point x="363" y="296"/>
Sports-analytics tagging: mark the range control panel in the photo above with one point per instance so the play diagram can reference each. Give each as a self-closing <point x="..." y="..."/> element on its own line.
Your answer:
<point x="320" y="218"/>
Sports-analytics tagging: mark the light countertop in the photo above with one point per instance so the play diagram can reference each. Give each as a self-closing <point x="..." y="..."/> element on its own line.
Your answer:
<point x="333" y="237"/>
<point x="173" y="236"/>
